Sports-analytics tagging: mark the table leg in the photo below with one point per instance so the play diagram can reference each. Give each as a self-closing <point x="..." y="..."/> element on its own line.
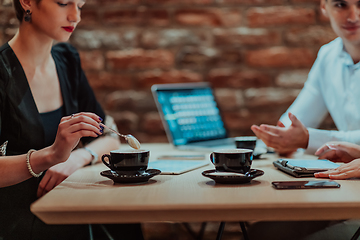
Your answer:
<point x="106" y="232"/>
<point x="202" y="230"/>
<point x="356" y="235"/>
<point x="91" y="236"/>
<point x="244" y="231"/>
<point x="220" y="231"/>
<point x="198" y="236"/>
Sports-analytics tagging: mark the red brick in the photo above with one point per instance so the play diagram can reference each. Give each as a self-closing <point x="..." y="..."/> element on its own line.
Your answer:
<point x="126" y="121"/>
<point x="203" y="57"/>
<point x="93" y="60"/>
<point x="156" y="17"/>
<point x="6" y="2"/>
<point x="125" y="16"/>
<point x="246" y="36"/>
<point x="208" y="17"/>
<point x="173" y="37"/>
<point x="231" y="78"/>
<point x="139" y="59"/>
<point x="310" y="36"/>
<point x="8" y="17"/>
<point x="178" y="2"/>
<point x="195" y="57"/>
<point x="153" y="138"/>
<point x="269" y="96"/>
<point x="114" y="3"/>
<point x="229" y="99"/>
<point x="226" y="58"/>
<point x="241" y="121"/>
<point x="147" y="79"/>
<point x="108" y="80"/>
<point x="317" y="2"/>
<point x="328" y="123"/>
<point x="280" y="57"/>
<point x="89" y="17"/>
<point x="130" y="100"/>
<point x="109" y="39"/>
<point x="293" y="79"/>
<point x="152" y="124"/>
<point x="279" y="16"/>
<point x="251" y="2"/>
<point x="9" y="33"/>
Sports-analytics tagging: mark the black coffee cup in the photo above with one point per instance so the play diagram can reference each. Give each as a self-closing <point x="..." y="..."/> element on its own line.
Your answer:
<point x="232" y="160"/>
<point x="248" y="142"/>
<point x="127" y="160"/>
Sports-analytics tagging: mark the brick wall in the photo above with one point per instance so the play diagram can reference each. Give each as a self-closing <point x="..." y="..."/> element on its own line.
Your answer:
<point x="255" y="53"/>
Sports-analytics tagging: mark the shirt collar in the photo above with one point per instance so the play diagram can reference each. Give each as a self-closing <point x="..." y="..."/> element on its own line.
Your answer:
<point x="346" y="58"/>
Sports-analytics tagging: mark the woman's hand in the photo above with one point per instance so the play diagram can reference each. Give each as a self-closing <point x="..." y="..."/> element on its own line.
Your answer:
<point x="345" y="171"/>
<point x="70" y="130"/>
<point x="339" y="151"/>
<point x="58" y="173"/>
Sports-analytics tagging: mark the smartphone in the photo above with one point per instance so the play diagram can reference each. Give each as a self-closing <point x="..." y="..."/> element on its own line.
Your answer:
<point x="305" y="184"/>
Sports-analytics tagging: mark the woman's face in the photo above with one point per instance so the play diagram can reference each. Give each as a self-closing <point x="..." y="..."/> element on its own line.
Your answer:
<point x="56" y="19"/>
<point x="344" y="17"/>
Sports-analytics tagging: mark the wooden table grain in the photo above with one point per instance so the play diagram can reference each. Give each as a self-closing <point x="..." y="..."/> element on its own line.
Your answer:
<point x="88" y="197"/>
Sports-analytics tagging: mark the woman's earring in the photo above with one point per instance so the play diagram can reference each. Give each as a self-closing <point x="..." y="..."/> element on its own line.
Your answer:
<point x="27" y="17"/>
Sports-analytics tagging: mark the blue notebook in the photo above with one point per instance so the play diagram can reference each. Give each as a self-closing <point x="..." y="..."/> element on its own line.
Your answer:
<point x="177" y="166"/>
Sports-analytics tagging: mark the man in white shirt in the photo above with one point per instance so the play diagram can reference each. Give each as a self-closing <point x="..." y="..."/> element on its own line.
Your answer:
<point x="333" y="86"/>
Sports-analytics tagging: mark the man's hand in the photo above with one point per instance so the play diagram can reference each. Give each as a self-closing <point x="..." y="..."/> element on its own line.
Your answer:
<point x="339" y="151"/>
<point x="283" y="140"/>
<point x="345" y="171"/>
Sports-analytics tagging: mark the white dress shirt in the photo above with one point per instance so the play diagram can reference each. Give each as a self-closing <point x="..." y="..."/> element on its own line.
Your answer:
<point x="333" y="86"/>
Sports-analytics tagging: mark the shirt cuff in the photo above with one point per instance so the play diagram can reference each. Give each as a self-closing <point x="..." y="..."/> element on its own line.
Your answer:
<point x="317" y="138"/>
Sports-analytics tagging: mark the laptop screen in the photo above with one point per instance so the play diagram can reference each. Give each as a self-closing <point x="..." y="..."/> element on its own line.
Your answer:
<point x="189" y="112"/>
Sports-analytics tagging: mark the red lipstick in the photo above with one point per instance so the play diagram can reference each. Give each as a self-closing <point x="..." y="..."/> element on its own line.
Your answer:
<point x="68" y="28"/>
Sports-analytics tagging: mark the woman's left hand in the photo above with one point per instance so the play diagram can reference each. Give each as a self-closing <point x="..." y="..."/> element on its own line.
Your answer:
<point x="339" y="151"/>
<point x="345" y="171"/>
<point x="59" y="172"/>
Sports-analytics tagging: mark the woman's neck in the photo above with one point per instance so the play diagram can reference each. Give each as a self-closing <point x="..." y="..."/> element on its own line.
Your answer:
<point x="34" y="49"/>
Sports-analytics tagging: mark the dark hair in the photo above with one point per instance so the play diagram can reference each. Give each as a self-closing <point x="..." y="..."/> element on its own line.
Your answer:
<point x="19" y="9"/>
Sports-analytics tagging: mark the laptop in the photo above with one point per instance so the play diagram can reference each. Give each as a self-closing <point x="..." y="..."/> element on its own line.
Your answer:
<point x="191" y="116"/>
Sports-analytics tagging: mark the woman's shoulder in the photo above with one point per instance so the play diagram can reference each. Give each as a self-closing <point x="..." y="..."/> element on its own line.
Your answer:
<point x="6" y="58"/>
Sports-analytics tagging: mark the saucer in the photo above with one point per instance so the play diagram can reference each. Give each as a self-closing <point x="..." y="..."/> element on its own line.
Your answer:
<point x="232" y="177"/>
<point x="130" y="177"/>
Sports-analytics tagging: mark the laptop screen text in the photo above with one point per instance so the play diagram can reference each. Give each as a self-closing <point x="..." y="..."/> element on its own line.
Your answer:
<point x="192" y="115"/>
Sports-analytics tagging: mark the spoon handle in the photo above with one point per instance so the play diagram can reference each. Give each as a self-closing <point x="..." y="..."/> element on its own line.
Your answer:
<point x="101" y="124"/>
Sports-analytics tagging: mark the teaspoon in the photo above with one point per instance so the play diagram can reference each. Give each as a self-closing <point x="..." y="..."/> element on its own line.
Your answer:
<point x="130" y="139"/>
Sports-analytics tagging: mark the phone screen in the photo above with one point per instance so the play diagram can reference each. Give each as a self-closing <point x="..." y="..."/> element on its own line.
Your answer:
<point x="305" y="184"/>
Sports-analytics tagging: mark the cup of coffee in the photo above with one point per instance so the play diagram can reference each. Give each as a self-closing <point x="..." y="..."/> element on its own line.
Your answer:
<point x="248" y="142"/>
<point x="127" y="160"/>
<point x="232" y="160"/>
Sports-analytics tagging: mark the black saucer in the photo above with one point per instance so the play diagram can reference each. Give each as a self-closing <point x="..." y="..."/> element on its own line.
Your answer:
<point x="130" y="177"/>
<point x="232" y="178"/>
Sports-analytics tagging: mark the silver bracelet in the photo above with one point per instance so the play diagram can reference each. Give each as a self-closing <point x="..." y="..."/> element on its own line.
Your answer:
<point x="28" y="164"/>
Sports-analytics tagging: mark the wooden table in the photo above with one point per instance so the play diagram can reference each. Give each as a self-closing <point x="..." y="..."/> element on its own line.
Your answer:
<point x="88" y="197"/>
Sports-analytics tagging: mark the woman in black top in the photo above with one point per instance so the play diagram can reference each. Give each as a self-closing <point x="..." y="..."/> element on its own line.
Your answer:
<point x="46" y="108"/>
